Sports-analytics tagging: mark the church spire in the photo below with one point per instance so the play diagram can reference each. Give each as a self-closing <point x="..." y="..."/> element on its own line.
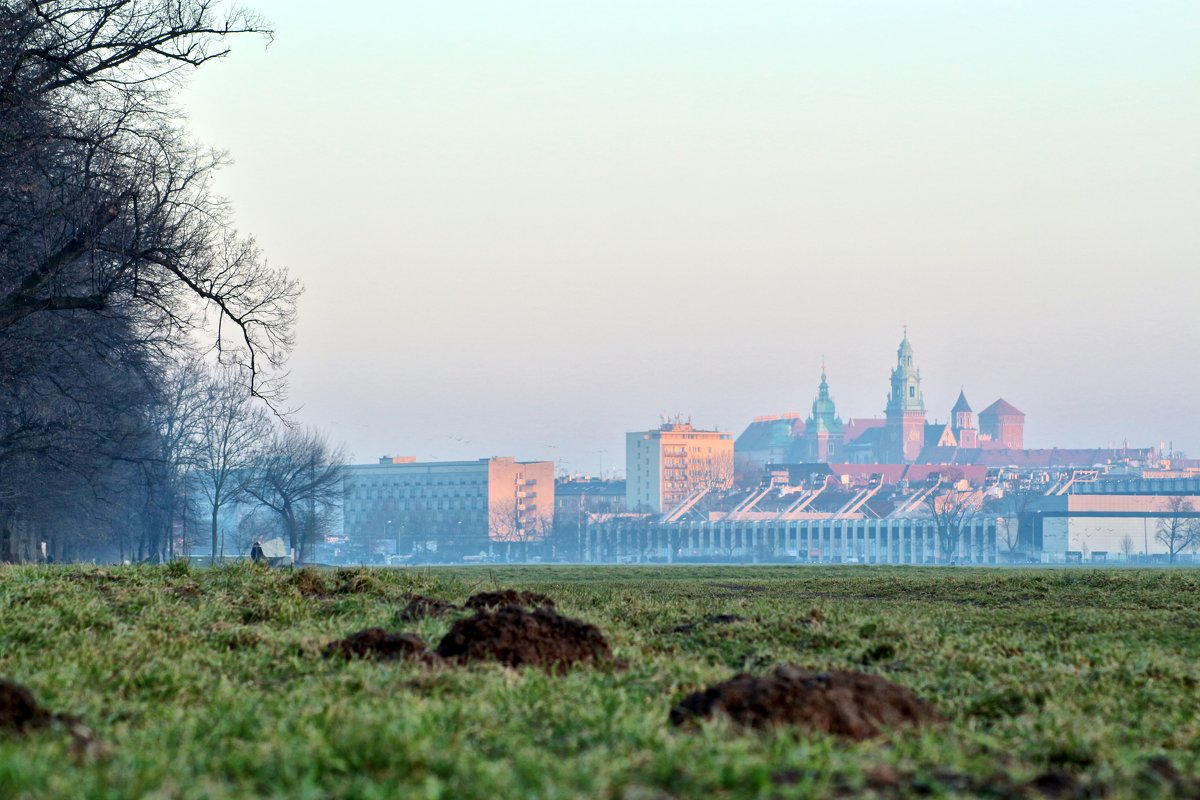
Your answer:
<point x="824" y="412"/>
<point x="906" y="380"/>
<point x="905" y="428"/>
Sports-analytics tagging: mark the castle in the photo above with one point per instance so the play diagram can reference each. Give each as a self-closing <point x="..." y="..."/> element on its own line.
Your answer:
<point x="903" y="436"/>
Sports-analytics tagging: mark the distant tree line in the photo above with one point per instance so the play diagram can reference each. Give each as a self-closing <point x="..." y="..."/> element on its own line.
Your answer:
<point x="142" y="338"/>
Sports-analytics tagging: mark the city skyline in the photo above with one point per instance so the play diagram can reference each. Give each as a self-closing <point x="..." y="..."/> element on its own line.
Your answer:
<point x="529" y="239"/>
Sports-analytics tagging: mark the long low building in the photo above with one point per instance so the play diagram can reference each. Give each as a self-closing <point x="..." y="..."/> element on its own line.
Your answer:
<point x="829" y="540"/>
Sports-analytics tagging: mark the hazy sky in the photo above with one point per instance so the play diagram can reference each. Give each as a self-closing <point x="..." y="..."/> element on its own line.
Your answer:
<point x="526" y="228"/>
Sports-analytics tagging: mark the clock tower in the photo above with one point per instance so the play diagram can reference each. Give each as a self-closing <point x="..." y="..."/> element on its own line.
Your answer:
<point x="904" y="431"/>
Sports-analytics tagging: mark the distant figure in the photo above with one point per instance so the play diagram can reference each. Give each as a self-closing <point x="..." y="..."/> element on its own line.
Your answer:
<point x="256" y="554"/>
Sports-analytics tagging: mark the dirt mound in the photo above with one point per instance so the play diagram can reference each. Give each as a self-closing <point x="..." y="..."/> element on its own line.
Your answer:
<point x="420" y="607"/>
<point x="850" y="704"/>
<point x="354" y="581"/>
<point x="309" y="583"/>
<point x="378" y="644"/>
<point x="507" y="597"/>
<point x="515" y="637"/>
<point x="19" y="712"/>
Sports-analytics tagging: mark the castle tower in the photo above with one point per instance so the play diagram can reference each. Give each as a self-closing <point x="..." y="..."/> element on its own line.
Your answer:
<point x="904" y="431"/>
<point x="823" y="432"/>
<point x="1004" y="423"/>
<point x="963" y="422"/>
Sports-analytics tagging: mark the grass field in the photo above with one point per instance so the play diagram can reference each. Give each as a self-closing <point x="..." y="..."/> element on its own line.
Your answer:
<point x="210" y="683"/>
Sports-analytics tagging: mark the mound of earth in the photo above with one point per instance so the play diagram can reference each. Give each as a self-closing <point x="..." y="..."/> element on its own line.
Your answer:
<point x="420" y="607"/>
<point x="849" y="704"/>
<point x="309" y="583"/>
<point x="516" y="637"/>
<point x="19" y="712"/>
<point x="355" y="582"/>
<point x="507" y="597"/>
<point x="379" y="644"/>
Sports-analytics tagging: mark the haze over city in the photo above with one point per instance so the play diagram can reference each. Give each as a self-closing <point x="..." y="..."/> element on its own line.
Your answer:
<point x="526" y="229"/>
<point x="658" y="399"/>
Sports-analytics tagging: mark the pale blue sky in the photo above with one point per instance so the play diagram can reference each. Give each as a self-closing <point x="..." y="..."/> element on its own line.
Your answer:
<point x="534" y="226"/>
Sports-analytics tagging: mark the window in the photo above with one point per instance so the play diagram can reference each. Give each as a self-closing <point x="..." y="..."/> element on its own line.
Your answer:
<point x="912" y="391"/>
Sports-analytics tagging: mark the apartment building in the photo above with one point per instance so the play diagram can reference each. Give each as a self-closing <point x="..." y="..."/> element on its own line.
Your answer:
<point x="664" y="466"/>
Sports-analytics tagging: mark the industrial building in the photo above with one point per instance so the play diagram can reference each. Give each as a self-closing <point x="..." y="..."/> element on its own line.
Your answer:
<point x="1096" y="519"/>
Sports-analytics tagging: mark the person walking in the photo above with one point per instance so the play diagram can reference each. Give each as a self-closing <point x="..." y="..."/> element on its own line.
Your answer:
<point x="256" y="553"/>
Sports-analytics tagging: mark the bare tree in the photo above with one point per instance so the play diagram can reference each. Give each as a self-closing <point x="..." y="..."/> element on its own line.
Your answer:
<point x="176" y="420"/>
<point x="951" y="509"/>
<point x="1015" y="504"/>
<point x="106" y="207"/>
<point x="75" y="395"/>
<point x="507" y="525"/>
<point x="1178" y="529"/>
<point x="230" y="432"/>
<point x="298" y="475"/>
<point x="1127" y="546"/>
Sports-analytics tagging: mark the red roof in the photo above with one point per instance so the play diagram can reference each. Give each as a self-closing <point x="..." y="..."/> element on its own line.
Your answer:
<point x="1002" y="408"/>
<point x="891" y="473"/>
<point x="973" y="473"/>
<point x="857" y="427"/>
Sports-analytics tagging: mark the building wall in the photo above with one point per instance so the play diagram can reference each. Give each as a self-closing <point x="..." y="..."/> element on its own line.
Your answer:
<point x="904" y="437"/>
<point x="461" y="504"/>
<point x="825" y="540"/>
<point x="1099" y="523"/>
<point x="664" y="466"/>
<point x="589" y="496"/>
<point x="1007" y="429"/>
<point x="520" y="499"/>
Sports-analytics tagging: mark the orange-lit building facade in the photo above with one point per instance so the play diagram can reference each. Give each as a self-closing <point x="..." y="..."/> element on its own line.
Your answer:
<point x="664" y="466"/>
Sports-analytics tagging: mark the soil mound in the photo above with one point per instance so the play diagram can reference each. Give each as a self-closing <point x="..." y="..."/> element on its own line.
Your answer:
<point x="516" y="638"/>
<point x="420" y="607"/>
<point x="355" y="581"/>
<point x="850" y="704"/>
<point x="309" y="583"/>
<point x="19" y="712"/>
<point x="507" y="597"/>
<point x="378" y="644"/>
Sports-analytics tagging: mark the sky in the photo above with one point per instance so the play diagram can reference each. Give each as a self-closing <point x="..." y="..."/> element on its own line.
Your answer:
<point x="525" y="228"/>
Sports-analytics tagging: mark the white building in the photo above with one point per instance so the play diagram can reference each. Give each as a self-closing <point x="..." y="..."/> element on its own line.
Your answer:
<point x="1114" y="520"/>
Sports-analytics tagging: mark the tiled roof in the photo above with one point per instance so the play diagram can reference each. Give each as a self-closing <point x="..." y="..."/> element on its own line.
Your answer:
<point x="962" y="404"/>
<point x="973" y="473"/>
<point x="765" y="433"/>
<point x="1002" y="408"/>
<point x="934" y="431"/>
<point x="857" y="427"/>
<point x="890" y="473"/>
<point x="933" y="454"/>
<point x="1054" y="457"/>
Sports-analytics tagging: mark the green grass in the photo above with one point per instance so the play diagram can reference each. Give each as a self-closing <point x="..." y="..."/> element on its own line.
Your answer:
<point x="209" y="683"/>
